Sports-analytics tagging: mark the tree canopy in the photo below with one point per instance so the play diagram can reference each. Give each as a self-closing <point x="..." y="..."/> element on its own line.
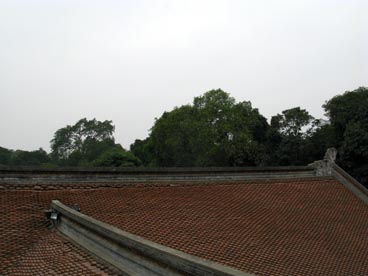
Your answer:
<point x="89" y="143"/>
<point x="24" y="158"/>
<point x="116" y="157"/>
<point x="81" y="137"/>
<point x="348" y="114"/>
<point x="292" y="121"/>
<point x="288" y="135"/>
<point x="213" y="131"/>
<point x="216" y="130"/>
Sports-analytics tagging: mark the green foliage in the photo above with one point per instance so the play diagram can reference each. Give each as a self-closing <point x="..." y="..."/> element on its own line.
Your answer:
<point x="80" y="144"/>
<point x="291" y="121"/>
<point x="74" y="138"/>
<point x="347" y="108"/>
<point x="319" y="138"/>
<point x="214" y="131"/>
<point x="143" y="150"/>
<point x="348" y="115"/>
<point x="29" y="158"/>
<point x="85" y="144"/>
<point x="5" y="156"/>
<point x="23" y="158"/>
<point x="90" y="143"/>
<point x="116" y="158"/>
<point x="287" y="137"/>
<point x="172" y="137"/>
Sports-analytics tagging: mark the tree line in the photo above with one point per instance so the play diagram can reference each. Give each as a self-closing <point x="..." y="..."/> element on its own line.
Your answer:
<point x="216" y="130"/>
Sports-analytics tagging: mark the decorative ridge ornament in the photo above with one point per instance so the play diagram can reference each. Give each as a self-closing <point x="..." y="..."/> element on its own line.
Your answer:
<point x="330" y="155"/>
<point x="324" y="167"/>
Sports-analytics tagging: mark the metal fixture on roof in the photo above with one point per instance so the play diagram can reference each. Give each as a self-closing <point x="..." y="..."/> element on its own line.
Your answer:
<point x="54" y="216"/>
<point x="76" y="207"/>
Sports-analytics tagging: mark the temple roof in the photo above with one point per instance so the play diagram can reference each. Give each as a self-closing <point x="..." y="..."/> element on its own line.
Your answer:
<point x="300" y="226"/>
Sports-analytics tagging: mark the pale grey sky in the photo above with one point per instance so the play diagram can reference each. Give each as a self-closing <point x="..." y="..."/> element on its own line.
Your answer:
<point x="129" y="61"/>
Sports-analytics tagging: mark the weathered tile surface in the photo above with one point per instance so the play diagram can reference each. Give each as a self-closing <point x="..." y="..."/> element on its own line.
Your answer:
<point x="301" y="227"/>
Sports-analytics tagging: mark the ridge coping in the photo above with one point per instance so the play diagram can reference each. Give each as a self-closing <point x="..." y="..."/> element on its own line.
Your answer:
<point x="176" y="259"/>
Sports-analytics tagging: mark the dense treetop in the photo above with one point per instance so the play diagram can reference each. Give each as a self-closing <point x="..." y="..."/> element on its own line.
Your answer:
<point x="87" y="143"/>
<point x="348" y="114"/>
<point x="213" y="131"/>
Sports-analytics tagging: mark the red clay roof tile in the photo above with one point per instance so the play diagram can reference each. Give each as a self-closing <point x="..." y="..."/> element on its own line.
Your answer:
<point x="301" y="227"/>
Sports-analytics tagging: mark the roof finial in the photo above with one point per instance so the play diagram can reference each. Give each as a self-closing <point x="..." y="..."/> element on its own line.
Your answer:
<point x="330" y="155"/>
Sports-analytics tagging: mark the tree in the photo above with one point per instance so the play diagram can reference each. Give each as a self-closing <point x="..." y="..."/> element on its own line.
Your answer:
<point x="347" y="108"/>
<point x="172" y="138"/>
<point x="287" y="137"/>
<point x="213" y="131"/>
<point x="143" y="150"/>
<point x="116" y="158"/>
<point x="348" y="115"/>
<point x="82" y="143"/>
<point x="292" y="121"/>
<point x="319" y="138"/>
<point x="29" y="158"/>
<point x="79" y="137"/>
<point x="5" y="156"/>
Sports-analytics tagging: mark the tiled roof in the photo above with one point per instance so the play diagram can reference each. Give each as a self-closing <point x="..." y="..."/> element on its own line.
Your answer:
<point x="28" y="247"/>
<point x="300" y="227"/>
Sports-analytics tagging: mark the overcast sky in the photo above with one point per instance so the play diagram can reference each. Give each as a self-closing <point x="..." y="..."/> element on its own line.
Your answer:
<point x="129" y="61"/>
